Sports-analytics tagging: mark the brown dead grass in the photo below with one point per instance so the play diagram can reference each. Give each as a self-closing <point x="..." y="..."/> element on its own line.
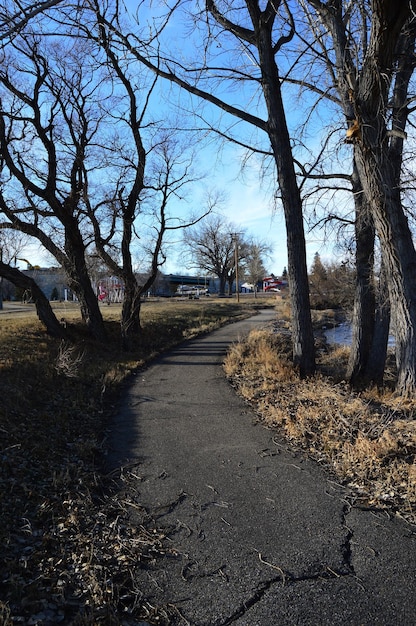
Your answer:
<point x="368" y="439"/>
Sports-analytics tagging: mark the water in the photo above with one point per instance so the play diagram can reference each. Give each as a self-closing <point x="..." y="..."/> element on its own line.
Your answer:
<point x="342" y="335"/>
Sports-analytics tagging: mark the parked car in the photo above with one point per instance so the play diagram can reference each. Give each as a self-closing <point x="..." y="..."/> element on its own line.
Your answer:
<point x="192" y="291"/>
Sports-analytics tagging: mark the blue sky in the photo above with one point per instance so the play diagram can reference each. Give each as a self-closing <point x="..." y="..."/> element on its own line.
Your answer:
<point x="247" y="205"/>
<point x="248" y="199"/>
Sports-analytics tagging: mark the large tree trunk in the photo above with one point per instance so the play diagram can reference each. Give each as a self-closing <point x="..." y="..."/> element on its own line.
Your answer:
<point x="222" y="285"/>
<point x="263" y="16"/>
<point x="400" y="259"/>
<point x="380" y="177"/>
<point x="374" y="372"/>
<point x="364" y="300"/>
<point x="80" y="283"/>
<point x="302" y="330"/>
<point x="43" y="307"/>
<point x="130" y="314"/>
<point x="385" y="152"/>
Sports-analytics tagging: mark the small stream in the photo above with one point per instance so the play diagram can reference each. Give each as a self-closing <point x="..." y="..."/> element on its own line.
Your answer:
<point x="342" y="335"/>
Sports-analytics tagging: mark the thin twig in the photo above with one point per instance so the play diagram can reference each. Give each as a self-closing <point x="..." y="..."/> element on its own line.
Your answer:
<point x="276" y="567"/>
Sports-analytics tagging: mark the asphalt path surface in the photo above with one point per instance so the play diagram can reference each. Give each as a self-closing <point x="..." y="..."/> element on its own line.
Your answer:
<point x="260" y="534"/>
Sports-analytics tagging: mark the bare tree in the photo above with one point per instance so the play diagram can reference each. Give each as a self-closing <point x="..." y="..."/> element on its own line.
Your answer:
<point x="210" y="248"/>
<point x="102" y="189"/>
<point x="369" y="84"/>
<point x="326" y="183"/>
<point x="266" y="42"/>
<point x="254" y="262"/>
<point x="14" y="15"/>
<point x="44" y="135"/>
<point x="169" y="178"/>
<point x="262" y="35"/>
<point x="149" y="171"/>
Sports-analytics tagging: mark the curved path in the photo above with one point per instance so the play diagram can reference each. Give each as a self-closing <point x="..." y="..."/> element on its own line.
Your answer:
<point x="261" y="535"/>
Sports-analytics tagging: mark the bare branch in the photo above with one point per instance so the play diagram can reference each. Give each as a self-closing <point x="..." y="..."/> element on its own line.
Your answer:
<point x="11" y="24"/>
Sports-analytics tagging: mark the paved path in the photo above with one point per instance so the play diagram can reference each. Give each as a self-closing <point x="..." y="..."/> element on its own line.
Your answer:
<point x="16" y="307"/>
<point x="263" y="535"/>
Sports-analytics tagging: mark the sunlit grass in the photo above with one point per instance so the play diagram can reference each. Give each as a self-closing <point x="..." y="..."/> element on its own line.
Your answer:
<point x="369" y="440"/>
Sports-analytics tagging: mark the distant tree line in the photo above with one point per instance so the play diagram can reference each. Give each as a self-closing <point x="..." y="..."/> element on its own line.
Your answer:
<point x="332" y="284"/>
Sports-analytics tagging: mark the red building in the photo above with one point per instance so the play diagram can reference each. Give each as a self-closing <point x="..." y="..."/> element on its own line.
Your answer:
<point x="271" y="283"/>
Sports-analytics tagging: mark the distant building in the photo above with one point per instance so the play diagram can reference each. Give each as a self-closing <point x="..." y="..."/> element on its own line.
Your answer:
<point x="247" y="287"/>
<point x="177" y="280"/>
<point x="272" y="283"/>
<point x="52" y="281"/>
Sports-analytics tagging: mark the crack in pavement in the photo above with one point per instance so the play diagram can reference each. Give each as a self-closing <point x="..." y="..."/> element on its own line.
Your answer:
<point x="286" y="580"/>
<point x="193" y="573"/>
<point x="248" y="604"/>
<point x="346" y="548"/>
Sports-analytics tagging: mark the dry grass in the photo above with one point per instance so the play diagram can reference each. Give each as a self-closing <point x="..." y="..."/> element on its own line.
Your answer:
<point x="68" y="553"/>
<point x="368" y="440"/>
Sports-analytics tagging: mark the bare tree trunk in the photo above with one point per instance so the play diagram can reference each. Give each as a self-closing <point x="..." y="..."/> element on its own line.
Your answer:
<point x="399" y="255"/>
<point x="382" y="179"/>
<point x="380" y="174"/>
<point x="223" y="282"/>
<point x="376" y="363"/>
<point x="365" y="94"/>
<point x="43" y="307"/>
<point x="364" y="300"/>
<point x="302" y="330"/>
<point x="80" y="283"/>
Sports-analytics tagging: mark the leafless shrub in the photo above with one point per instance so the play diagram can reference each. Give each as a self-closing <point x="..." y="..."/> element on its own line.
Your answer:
<point x="69" y="360"/>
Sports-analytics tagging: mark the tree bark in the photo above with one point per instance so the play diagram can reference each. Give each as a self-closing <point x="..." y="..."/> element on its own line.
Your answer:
<point x="364" y="300"/>
<point x="400" y="260"/>
<point x="379" y="180"/>
<point x="302" y="330"/>
<point x="374" y="372"/>
<point x="43" y="307"/>
<point x="380" y="176"/>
